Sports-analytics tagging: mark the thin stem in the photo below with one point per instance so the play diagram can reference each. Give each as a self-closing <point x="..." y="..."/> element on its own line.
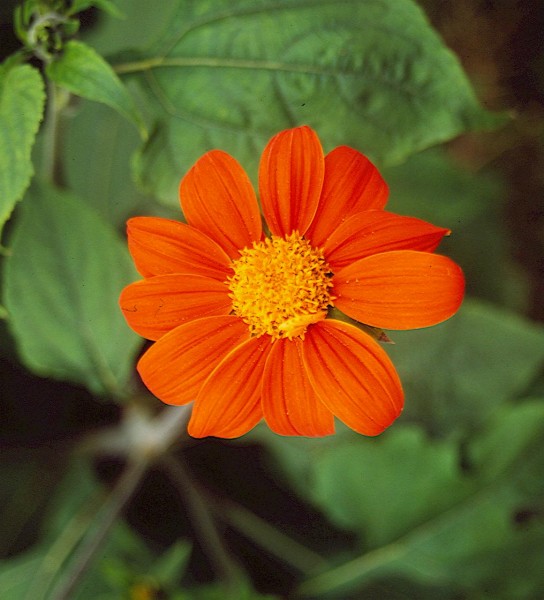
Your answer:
<point x="270" y="538"/>
<point x="162" y="62"/>
<point x="51" y="167"/>
<point x="62" y="548"/>
<point x="354" y="570"/>
<point x="202" y="521"/>
<point x="139" y="439"/>
<point x="140" y="432"/>
<point x="105" y="518"/>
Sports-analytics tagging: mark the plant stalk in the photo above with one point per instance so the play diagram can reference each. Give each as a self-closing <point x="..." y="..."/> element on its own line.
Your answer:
<point x="106" y="518"/>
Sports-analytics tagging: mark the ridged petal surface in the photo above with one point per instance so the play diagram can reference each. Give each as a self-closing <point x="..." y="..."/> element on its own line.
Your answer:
<point x="403" y="289"/>
<point x="353" y="376"/>
<point x="218" y="199"/>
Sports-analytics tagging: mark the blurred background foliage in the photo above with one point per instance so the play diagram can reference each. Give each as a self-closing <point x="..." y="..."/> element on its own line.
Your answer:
<point x="101" y="113"/>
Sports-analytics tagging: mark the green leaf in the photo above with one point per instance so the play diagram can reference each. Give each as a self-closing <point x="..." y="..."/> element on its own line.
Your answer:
<point x="82" y="71"/>
<point x="225" y="74"/>
<point x="458" y="373"/>
<point x="22" y="100"/>
<point x="467" y="536"/>
<point x="61" y="285"/>
<point x="505" y="450"/>
<point x="354" y="480"/>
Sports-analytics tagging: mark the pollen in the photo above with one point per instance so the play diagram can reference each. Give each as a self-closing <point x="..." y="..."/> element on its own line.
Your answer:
<point x="280" y="286"/>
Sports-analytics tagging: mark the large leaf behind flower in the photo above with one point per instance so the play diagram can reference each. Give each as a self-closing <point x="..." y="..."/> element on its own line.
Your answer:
<point x="460" y="372"/>
<point x="460" y="511"/>
<point x="61" y="285"/>
<point x="226" y="74"/>
<point x="422" y="518"/>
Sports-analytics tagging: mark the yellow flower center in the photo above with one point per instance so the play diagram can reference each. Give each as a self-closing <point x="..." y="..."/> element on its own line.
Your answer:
<point x="280" y="286"/>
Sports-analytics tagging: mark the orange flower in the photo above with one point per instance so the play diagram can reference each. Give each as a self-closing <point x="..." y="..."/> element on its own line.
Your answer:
<point x="241" y="318"/>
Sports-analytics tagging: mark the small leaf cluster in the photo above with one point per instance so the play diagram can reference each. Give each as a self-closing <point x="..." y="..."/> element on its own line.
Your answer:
<point x="44" y="25"/>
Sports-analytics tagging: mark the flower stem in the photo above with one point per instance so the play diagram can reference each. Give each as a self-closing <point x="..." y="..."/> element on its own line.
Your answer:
<point x="227" y="569"/>
<point x="105" y="518"/>
<point x="62" y="548"/>
<point x="140" y="440"/>
<point x="357" y="570"/>
<point x="51" y="169"/>
<point x="269" y="538"/>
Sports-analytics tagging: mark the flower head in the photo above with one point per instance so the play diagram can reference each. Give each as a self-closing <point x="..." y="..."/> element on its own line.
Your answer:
<point x="242" y="318"/>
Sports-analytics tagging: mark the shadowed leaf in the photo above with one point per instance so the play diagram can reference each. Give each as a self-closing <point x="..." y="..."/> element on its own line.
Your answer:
<point x="61" y="285"/>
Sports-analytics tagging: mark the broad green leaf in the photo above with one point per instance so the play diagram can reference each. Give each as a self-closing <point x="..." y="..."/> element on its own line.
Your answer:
<point x="457" y="374"/>
<point x="22" y="100"/>
<point x="505" y="449"/>
<point x="466" y="536"/>
<point x="82" y="71"/>
<point x="61" y="285"/>
<point x="354" y="482"/>
<point x="225" y="74"/>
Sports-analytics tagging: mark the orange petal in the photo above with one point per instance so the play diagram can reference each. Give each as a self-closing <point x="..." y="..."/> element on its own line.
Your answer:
<point x="218" y="199"/>
<point x="352" y="184"/>
<point x="290" y="180"/>
<point x="154" y="306"/>
<point x="403" y="289"/>
<point x="375" y="231"/>
<point x="159" y="246"/>
<point x="290" y="405"/>
<point x="176" y="366"/>
<point x="229" y="402"/>
<point x="353" y="376"/>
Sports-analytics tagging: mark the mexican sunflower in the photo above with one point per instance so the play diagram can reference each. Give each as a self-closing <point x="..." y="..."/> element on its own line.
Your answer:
<point x="242" y="315"/>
